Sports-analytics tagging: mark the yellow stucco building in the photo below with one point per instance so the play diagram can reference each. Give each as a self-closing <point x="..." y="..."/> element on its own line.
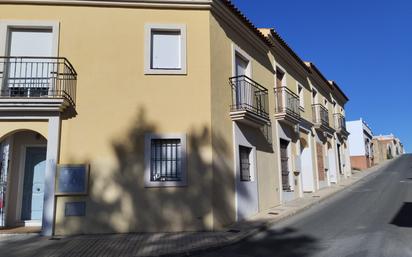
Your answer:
<point x="147" y="116"/>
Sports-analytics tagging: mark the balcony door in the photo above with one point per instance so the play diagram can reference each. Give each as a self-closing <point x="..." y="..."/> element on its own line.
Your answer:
<point x="243" y="87"/>
<point x="28" y="76"/>
<point x="280" y="101"/>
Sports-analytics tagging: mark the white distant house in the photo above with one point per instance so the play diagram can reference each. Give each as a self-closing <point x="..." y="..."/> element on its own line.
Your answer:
<point x="360" y="144"/>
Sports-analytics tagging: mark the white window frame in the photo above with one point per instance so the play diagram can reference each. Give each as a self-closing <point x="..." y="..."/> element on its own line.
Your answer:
<point x="333" y="103"/>
<point x="147" y="159"/>
<point x="315" y="100"/>
<point x="251" y="163"/>
<point x="290" y="163"/>
<point x="6" y="25"/>
<point x="148" y="47"/>
<point x="301" y="98"/>
<point x="236" y="50"/>
<point x="284" y="79"/>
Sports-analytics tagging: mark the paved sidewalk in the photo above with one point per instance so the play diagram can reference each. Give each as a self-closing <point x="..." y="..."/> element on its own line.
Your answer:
<point x="167" y="244"/>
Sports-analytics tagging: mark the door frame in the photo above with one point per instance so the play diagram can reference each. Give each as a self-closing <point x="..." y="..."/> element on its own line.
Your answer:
<point x="308" y="176"/>
<point x="6" y="195"/>
<point x="239" y="139"/>
<point x="320" y="163"/>
<point x="236" y="50"/>
<point x="6" y="25"/>
<point x="289" y="162"/>
<point x="20" y="189"/>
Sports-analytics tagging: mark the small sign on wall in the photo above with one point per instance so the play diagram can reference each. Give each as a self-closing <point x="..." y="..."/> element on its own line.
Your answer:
<point x="75" y="209"/>
<point x="72" y="179"/>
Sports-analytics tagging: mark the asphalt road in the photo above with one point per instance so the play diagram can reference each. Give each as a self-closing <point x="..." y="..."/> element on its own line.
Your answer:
<point x="373" y="218"/>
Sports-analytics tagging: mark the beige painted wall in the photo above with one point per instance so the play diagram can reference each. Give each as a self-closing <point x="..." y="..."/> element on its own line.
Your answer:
<point x="117" y="104"/>
<point x="222" y="130"/>
<point x="222" y="39"/>
<point x="8" y="127"/>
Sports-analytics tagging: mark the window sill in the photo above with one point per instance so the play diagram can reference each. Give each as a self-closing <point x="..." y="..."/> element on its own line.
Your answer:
<point x="149" y="71"/>
<point x="166" y="184"/>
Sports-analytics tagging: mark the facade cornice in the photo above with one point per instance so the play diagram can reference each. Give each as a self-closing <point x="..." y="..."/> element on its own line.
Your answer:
<point x="222" y="8"/>
<point x="161" y="4"/>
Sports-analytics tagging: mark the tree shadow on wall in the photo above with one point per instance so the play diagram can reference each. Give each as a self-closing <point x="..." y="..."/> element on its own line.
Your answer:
<point x="119" y="201"/>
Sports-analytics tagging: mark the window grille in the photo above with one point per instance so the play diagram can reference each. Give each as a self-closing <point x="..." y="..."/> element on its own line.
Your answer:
<point x="166" y="160"/>
<point x="244" y="157"/>
<point x="284" y="160"/>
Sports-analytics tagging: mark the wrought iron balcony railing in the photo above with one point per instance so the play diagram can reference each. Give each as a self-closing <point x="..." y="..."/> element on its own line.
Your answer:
<point x="37" y="77"/>
<point x="249" y="96"/>
<point x="287" y="103"/>
<point x="340" y="122"/>
<point x="320" y="115"/>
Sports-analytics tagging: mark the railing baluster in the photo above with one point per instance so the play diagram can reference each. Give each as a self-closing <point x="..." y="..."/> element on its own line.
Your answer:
<point x="37" y="77"/>
<point x="248" y="95"/>
<point x="287" y="102"/>
<point x="320" y="114"/>
<point x="340" y="122"/>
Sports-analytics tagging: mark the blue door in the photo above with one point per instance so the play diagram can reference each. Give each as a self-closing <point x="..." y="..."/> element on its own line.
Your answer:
<point x="33" y="186"/>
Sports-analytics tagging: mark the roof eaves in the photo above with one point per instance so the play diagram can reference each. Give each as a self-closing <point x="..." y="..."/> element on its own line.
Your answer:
<point x="265" y="39"/>
<point x="246" y="21"/>
<point x="335" y="85"/>
<point x="283" y="43"/>
<point x="314" y="68"/>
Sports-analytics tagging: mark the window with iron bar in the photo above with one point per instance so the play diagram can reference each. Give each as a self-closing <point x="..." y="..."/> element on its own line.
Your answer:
<point x="166" y="160"/>
<point x="244" y="158"/>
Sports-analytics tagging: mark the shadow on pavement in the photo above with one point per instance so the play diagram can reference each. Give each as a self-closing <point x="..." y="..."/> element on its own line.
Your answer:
<point x="404" y="216"/>
<point x="277" y="243"/>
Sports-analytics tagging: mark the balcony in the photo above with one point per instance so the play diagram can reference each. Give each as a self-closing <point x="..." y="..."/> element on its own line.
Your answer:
<point x="287" y="105"/>
<point x="320" y="116"/>
<point x="37" y="84"/>
<point x="340" y="124"/>
<point x="249" y="102"/>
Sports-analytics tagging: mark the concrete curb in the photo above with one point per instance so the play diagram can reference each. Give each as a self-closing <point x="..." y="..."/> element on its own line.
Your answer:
<point x="373" y="171"/>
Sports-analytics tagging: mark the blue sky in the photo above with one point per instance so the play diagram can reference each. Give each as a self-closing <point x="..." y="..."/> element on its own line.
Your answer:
<point x="364" y="45"/>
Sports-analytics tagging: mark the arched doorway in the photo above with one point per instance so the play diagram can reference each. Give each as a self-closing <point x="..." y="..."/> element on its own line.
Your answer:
<point x="22" y="174"/>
